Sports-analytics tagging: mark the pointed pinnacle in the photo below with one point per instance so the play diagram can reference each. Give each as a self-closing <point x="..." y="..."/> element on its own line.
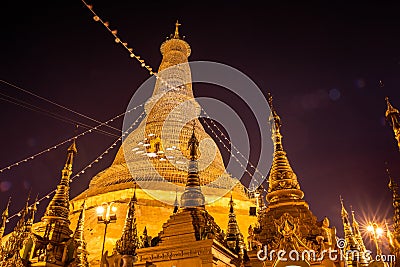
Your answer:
<point x="231" y="204"/>
<point x="390" y="109"/>
<point x="193" y="143"/>
<point x="5" y="212"/>
<point x="176" y="34"/>
<point x="344" y="211"/>
<point x="72" y="147"/>
<point x="134" y="198"/>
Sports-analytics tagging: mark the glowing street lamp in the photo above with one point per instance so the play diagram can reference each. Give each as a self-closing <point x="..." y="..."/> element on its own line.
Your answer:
<point x="376" y="232"/>
<point x="106" y="213"/>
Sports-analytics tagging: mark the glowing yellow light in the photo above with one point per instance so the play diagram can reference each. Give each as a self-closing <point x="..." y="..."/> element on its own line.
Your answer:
<point x="379" y="231"/>
<point x="114" y="209"/>
<point x="370" y="228"/>
<point x="100" y="210"/>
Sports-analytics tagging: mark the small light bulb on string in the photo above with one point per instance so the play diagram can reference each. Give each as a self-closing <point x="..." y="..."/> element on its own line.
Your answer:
<point x="96" y="18"/>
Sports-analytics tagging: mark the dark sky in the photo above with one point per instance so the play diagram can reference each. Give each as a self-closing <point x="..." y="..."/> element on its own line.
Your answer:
<point x="322" y="61"/>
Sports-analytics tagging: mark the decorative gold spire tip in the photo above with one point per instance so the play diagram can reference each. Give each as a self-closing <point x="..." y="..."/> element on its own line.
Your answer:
<point x="390" y="109"/>
<point x="270" y="99"/>
<point x="72" y="147"/>
<point x="5" y="212"/>
<point x="134" y="198"/>
<point x="193" y="143"/>
<point x="176" y="34"/>
<point x="231" y="204"/>
<point x="274" y="115"/>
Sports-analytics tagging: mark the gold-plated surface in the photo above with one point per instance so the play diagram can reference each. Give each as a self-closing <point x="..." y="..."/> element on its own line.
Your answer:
<point x="283" y="184"/>
<point x="4" y="217"/>
<point x="393" y="117"/>
<point x="192" y="195"/>
<point x="129" y="241"/>
<point x="286" y="222"/>
<point x="81" y="253"/>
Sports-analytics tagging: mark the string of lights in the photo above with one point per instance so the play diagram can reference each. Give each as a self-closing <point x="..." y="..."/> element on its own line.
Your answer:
<point x="256" y="170"/>
<point x="118" y="39"/>
<point x="56" y="104"/>
<point x="46" y="112"/>
<point x="66" y="141"/>
<point x="90" y="165"/>
<point x="231" y="152"/>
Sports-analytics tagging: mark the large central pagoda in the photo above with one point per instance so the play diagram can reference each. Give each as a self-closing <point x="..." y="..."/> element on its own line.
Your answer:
<point x="153" y="152"/>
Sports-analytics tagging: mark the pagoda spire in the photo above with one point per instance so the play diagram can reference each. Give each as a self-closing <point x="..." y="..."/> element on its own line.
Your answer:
<point x="234" y="239"/>
<point x="146" y="239"/>
<point x="363" y="259"/>
<point x="283" y="184"/>
<point x="393" y="117"/>
<point x="129" y="241"/>
<point x="56" y="239"/>
<point x="357" y="233"/>
<point x="192" y="196"/>
<point x="4" y="218"/>
<point x="31" y="218"/>
<point x="23" y="214"/>
<point x="351" y="243"/>
<point x="12" y="247"/>
<point x="176" y="34"/>
<point x="395" y="202"/>
<point x="176" y="203"/>
<point x="348" y="230"/>
<point x="81" y="253"/>
<point x="58" y="208"/>
<point x="175" y="51"/>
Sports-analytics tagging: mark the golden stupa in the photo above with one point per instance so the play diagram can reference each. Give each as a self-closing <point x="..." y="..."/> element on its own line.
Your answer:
<point x="167" y="126"/>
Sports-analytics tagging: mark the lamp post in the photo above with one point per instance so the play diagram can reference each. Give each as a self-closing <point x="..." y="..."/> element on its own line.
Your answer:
<point x="376" y="233"/>
<point x="106" y="213"/>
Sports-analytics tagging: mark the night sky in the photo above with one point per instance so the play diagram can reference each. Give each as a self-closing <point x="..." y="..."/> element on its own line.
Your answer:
<point x="329" y="67"/>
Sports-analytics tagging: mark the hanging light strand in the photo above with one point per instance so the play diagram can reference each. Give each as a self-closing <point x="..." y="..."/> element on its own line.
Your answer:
<point x="117" y="39"/>
<point x="232" y="149"/>
<point x="46" y="112"/>
<point x="66" y="141"/>
<point x="90" y="165"/>
<point x="54" y="103"/>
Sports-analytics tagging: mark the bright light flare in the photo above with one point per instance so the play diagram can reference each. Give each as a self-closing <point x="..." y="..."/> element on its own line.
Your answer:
<point x="100" y="210"/>
<point x="370" y="228"/>
<point x="379" y="231"/>
<point x="114" y="209"/>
